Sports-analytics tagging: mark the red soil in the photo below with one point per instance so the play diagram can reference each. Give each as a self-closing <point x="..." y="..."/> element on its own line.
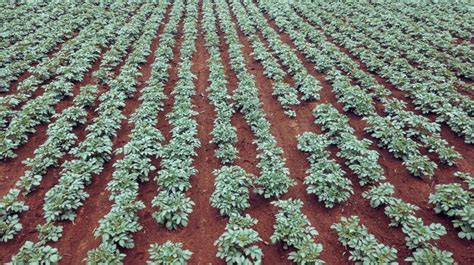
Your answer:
<point x="205" y="223"/>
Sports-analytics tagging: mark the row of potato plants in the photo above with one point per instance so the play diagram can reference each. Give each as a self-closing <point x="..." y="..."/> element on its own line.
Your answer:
<point x="89" y="157"/>
<point x="417" y="234"/>
<point x="427" y="249"/>
<point x="39" y="109"/>
<point x="359" y="157"/>
<point x="168" y="253"/>
<point x="224" y="134"/>
<point x="420" y="55"/>
<point x="128" y="34"/>
<point x="451" y="20"/>
<point x="60" y="140"/>
<point x="397" y="43"/>
<point x="363" y="245"/>
<point x="177" y="155"/>
<point x="23" y="20"/>
<point x="176" y="166"/>
<point x="286" y="94"/>
<point x="292" y="228"/>
<point x="430" y="93"/>
<point x="118" y="225"/>
<point x="463" y="101"/>
<point x="390" y="130"/>
<point x="95" y="150"/>
<point x="237" y="244"/>
<point x="337" y="188"/>
<point x="325" y="178"/>
<point x="458" y="203"/>
<point x="274" y="179"/>
<point x="401" y="213"/>
<point x="16" y="59"/>
<point x="360" y="102"/>
<point x="32" y="178"/>
<point x="14" y="12"/>
<point x="306" y="84"/>
<point x="446" y="152"/>
<point x="400" y="130"/>
<point x="438" y="45"/>
<point x="72" y="52"/>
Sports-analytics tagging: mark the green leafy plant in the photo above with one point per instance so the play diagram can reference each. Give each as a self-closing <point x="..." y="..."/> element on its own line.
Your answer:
<point x="325" y="177"/>
<point x="36" y="253"/>
<point x="10" y="208"/>
<point x="457" y="203"/>
<point x="231" y="194"/>
<point x="168" y="253"/>
<point x="174" y="209"/>
<point x="105" y="253"/>
<point x="364" y="247"/>
<point x="430" y="255"/>
<point x="237" y="244"/>
<point x="294" y="230"/>
<point x="49" y="232"/>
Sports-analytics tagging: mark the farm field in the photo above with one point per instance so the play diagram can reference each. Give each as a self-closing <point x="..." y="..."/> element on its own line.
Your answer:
<point x="238" y="132"/>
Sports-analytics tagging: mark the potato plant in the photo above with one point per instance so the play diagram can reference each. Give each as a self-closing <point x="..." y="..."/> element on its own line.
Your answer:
<point x="457" y="203"/>
<point x="293" y="229"/>
<point x="363" y="246"/>
<point x="237" y="244"/>
<point x="325" y="177"/>
<point x="168" y="253"/>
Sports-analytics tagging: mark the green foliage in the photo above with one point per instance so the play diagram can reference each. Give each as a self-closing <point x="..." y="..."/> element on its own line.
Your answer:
<point x="325" y="177"/>
<point x="49" y="232"/>
<point x="402" y="214"/>
<point x="364" y="247"/>
<point x="274" y="180"/>
<point x="353" y="98"/>
<point x="359" y="157"/>
<point x="105" y="253"/>
<point x="60" y="139"/>
<point x="121" y="222"/>
<point x="467" y="178"/>
<point x="237" y="244"/>
<point x="287" y="96"/>
<point x="430" y="255"/>
<point x="36" y="253"/>
<point x="168" y="253"/>
<point x="174" y="209"/>
<point x="379" y="195"/>
<point x="294" y="230"/>
<point x="419" y="165"/>
<point x="457" y="203"/>
<point x="231" y="194"/>
<point x="10" y="208"/>
<point x="176" y="166"/>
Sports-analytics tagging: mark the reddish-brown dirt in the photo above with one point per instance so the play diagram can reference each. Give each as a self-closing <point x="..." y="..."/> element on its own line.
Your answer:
<point x="205" y="223"/>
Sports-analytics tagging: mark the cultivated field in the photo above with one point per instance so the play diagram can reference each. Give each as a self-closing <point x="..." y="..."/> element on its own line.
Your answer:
<point x="236" y="131"/>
